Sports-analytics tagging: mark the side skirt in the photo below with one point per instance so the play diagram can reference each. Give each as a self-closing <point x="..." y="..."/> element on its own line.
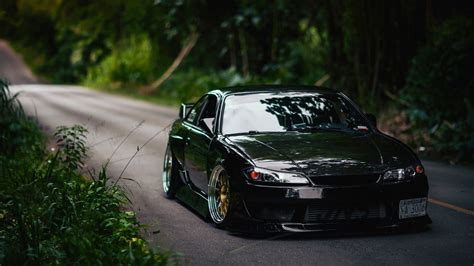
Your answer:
<point x="194" y="200"/>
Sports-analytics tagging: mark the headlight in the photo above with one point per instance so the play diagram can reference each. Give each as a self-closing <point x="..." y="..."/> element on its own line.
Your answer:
<point x="402" y="173"/>
<point x="270" y="176"/>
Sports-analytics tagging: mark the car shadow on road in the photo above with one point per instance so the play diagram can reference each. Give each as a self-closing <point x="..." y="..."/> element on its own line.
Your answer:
<point x="321" y="235"/>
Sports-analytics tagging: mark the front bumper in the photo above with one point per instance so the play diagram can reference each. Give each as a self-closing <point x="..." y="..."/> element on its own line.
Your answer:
<point x="322" y="208"/>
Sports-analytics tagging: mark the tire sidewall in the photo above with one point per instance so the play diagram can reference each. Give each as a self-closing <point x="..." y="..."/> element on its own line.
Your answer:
<point x="172" y="176"/>
<point x="228" y="217"/>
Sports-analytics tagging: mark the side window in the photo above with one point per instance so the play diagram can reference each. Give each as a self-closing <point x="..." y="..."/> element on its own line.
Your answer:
<point x="207" y="118"/>
<point x="197" y="108"/>
<point x="210" y="109"/>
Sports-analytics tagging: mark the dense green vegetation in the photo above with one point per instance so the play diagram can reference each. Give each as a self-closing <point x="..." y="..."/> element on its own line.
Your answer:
<point x="49" y="213"/>
<point x="409" y="61"/>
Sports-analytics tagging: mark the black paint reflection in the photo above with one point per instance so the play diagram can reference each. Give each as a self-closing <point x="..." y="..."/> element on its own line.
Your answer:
<point x="319" y="153"/>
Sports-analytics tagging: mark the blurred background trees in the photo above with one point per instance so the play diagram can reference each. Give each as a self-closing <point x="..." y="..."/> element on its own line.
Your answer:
<point x="411" y="60"/>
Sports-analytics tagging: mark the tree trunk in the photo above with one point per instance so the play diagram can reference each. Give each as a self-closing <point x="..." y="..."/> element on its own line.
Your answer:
<point x="232" y="52"/>
<point x="182" y="54"/>
<point x="244" y="54"/>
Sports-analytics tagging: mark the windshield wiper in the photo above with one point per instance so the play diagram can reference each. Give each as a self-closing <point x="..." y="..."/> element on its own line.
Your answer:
<point x="312" y="129"/>
<point x="252" y="132"/>
<point x="256" y="132"/>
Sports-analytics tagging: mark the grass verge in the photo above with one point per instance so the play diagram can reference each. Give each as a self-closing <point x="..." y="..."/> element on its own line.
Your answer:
<point x="50" y="213"/>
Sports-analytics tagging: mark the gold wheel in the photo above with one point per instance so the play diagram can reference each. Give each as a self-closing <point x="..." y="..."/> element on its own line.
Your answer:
<point x="223" y="191"/>
<point x="219" y="195"/>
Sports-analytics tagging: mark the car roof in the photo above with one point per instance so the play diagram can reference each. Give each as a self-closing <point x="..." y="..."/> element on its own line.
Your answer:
<point x="272" y="88"/>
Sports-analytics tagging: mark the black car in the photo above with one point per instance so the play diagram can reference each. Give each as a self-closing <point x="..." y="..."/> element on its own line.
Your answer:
<point x="291" y="158"/>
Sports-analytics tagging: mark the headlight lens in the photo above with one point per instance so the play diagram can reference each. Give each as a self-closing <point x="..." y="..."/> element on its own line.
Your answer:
<point x="270" y="176"/>
<point x="402" y="173"/>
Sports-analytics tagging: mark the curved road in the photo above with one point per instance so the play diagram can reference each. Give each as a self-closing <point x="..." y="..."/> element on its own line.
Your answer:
<point x="171" y="225"/>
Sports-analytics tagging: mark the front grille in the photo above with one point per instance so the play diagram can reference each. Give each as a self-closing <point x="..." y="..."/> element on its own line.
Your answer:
<point x="345" y="180"/>
<point x="336" y="212"/>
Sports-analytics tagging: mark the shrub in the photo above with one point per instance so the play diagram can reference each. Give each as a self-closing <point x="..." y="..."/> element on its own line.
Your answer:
<point x="438" y="91"/>
<point x="51" y="214"/>
<point x="129" y="64"/>
<point x="191" y="84"/>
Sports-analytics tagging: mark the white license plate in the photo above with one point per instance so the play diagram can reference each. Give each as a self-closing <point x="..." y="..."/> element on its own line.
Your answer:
<point x="412" y="208"/>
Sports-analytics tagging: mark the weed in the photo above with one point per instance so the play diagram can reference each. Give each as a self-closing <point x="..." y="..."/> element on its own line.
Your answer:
<point x="51" y="214"/>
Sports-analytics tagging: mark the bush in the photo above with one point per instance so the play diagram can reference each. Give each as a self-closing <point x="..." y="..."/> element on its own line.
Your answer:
<point x="306" y="61"/>
<point x="192" y="84"/>
<point x="438" y="91"/>
<point x="51" y="214"/>
<point x="129" y="64"/>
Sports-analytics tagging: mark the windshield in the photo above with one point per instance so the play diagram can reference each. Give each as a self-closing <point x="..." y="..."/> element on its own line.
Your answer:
<point x="289" y="111"/>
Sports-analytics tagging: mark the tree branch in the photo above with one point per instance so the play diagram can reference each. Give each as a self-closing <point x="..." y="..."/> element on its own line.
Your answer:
<point x="182" y="54"/>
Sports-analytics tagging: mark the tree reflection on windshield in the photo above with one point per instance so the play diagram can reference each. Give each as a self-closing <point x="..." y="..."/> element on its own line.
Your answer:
<point x="270" y="112"/>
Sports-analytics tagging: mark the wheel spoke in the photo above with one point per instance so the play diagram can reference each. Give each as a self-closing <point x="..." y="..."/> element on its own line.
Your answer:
<point x="219" y="195"/>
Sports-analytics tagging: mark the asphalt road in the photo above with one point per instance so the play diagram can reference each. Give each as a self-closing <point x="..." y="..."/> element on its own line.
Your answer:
<point x="450" y="240"/>
<point x="12" y="66"/>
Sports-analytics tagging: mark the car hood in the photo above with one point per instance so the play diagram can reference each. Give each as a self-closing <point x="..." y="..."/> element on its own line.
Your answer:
<point x="324" y="153"/>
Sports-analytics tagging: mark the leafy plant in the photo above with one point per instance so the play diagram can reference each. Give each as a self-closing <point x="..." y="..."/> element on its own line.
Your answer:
<point x="17" y="133"/>
<point x="438" y="92"/>
<point x="72" y="142"/>
<point x="129" y="64"/>
<point x="50" y="213"/>
<point x="192" y="84"/>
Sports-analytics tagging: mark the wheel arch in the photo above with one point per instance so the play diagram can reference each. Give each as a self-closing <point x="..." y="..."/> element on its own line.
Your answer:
<point x="220" y="153"/>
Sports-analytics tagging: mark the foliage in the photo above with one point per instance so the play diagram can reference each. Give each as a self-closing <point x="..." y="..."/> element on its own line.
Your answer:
<point x="71" y="141"/>
<point x="192" y="84"/>
<point x="17" y="134"/>
<point x="366" y="48"/>
<point x="438" y="92"/>
<point x="306" y="62"/>
<point x="127" y="65"/>
<point x="49" y="213"/>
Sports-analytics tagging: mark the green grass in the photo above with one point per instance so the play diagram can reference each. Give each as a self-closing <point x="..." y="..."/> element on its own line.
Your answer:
<point x="49" y="212"/>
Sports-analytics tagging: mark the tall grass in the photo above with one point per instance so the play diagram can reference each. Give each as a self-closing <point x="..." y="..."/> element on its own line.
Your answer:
<point x="51" y="214"/>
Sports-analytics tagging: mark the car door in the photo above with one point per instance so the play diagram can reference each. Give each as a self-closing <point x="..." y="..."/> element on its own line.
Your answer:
<point x="198" y="140"/>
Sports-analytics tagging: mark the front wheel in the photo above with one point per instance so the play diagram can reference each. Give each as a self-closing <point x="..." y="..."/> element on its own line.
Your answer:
<point x="169" y="174"/>
<point x="219" y="196"/>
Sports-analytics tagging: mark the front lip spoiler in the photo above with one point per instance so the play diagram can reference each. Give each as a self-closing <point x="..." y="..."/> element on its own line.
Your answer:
<point x="246" y="226"/>
<point x="318" y="227"/>
<point x="308" y="228"/>
<point x="301" y="228"/>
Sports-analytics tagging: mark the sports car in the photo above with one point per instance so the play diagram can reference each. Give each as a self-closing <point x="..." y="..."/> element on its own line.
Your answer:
<point x="291" y="158"/>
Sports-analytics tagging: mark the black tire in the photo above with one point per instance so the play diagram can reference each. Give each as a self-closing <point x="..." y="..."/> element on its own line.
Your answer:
<point x="220" y="197"/>
<point x="170" y="174"/>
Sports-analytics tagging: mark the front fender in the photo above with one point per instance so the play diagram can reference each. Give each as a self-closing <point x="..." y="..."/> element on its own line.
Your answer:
<point x="176" y="141"/>
<point x="232" y="161"/>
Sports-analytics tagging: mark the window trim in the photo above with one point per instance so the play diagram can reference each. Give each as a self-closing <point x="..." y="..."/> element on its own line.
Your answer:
<point x="203" y="98"/>
<point x="356" y="108"/>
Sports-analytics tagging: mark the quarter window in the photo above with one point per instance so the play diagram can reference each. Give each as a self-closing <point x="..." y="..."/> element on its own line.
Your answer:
<point x="193" y="115"/>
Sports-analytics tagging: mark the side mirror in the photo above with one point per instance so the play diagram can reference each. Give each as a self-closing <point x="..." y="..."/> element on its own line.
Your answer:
<point x="372" y="119"/>
<point x="184" y="109"/>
